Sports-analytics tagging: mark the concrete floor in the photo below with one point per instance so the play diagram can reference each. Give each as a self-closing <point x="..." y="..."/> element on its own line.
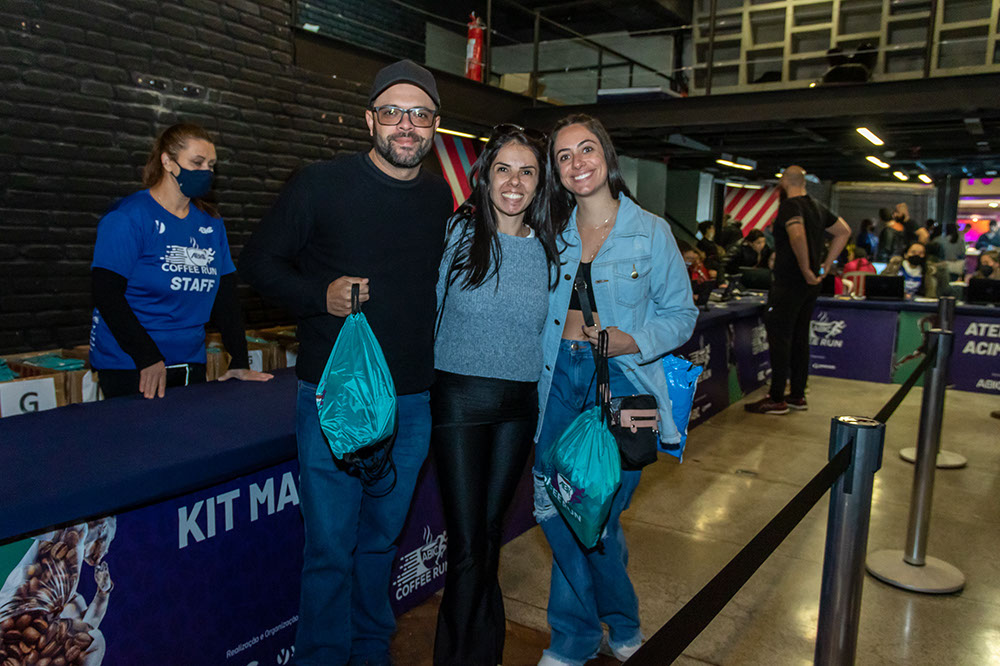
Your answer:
<point x="687" y="521"/>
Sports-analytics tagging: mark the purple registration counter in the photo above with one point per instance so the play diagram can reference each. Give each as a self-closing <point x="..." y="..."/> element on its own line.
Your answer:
<point x="194" y="498"/>
<point x="867" y="340"/>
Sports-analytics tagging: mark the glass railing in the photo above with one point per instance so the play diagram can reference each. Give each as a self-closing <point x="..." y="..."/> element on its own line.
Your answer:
<point x="523" y="51"/>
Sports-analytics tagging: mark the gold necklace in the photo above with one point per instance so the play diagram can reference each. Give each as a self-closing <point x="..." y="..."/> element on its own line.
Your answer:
<point x="603" y="236"/>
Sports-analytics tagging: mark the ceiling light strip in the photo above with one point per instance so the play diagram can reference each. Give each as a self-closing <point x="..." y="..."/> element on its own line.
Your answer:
<point x="870" y="135"/>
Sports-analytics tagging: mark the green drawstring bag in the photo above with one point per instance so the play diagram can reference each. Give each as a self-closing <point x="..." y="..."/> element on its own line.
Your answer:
<point x="582" y="474"/>
<point x="356" y="397"/>
<point x="583" y="469"/>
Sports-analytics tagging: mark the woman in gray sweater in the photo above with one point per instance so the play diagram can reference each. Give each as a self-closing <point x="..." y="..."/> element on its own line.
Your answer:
<point x="492" y="302"/>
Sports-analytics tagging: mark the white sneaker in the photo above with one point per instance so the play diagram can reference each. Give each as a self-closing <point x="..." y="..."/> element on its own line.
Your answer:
<point x="549" y="660"/>
<point x="621" y="654"/>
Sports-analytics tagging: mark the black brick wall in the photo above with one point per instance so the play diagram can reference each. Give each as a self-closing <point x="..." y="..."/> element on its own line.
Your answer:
<point x="76" y="126"/>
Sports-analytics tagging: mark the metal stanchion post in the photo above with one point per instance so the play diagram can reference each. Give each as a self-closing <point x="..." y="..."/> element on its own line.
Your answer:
<point x="847" y="539"/>
<point x="911" y="569"/>
<point x="945" y="459"/>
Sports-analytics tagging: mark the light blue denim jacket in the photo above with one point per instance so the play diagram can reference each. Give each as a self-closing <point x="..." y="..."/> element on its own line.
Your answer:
<point x="656" y="307"/>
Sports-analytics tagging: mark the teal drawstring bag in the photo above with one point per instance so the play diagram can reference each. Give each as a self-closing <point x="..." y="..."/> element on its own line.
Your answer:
<point x="356" y="397"/>
<point x="582" y="471"/>
<point x="682" y="383"/>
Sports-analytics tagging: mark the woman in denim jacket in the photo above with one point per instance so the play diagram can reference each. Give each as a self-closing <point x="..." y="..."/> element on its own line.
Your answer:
<point x="641" y="295"/>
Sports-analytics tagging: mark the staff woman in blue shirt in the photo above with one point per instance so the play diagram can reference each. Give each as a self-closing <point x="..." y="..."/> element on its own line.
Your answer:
<point x="161" y="270"/>
<point x="642" y="298"/>
<point x="493" y="297"/>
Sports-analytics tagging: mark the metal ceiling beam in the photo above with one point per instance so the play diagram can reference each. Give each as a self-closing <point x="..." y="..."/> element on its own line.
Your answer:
<point x="959" y="94"/>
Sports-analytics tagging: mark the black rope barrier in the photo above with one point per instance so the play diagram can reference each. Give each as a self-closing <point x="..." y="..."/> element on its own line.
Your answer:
<point x="670" y="641"/>
<point x="894" y="402"/>
<point x="673" y="637"/>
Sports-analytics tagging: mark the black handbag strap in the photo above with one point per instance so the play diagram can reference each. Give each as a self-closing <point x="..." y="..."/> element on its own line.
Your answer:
<point x="603" y="376"/>
<point x="355" y="298"/>
<point x="585" y="307"/>
<point x="602" y="373"/>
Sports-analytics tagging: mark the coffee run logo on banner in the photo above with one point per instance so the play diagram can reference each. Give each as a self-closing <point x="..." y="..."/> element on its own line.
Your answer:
<point x="758" y="340"/>
<point x="701" y="356"/>
<point x="825" y="332"/>
<point x="422" y="565"/>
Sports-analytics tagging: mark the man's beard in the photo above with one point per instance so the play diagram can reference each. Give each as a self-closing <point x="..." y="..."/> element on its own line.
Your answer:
<point x="398" y="158"/>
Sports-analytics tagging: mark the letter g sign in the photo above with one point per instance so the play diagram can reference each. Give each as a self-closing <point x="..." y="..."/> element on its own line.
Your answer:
<point x="29" y="402"/>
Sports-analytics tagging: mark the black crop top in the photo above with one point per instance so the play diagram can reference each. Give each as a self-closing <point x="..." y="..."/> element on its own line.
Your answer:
<point x="574" y="300"/>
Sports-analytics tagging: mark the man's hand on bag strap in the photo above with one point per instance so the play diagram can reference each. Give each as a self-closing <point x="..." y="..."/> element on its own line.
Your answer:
<point x="338" y="294"/>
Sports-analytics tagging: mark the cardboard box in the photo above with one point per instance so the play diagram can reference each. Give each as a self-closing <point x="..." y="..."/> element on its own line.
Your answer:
<point x="520" y="83"/>
<point x="41" y="390"/>
<point x="265" y="355"/>
<point x="286" y="338"/>
<point x="217" y="361"/>
<point x="77" y="385"/>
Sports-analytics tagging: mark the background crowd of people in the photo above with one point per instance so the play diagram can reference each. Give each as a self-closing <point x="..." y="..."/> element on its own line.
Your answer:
<point x="931" y="257"/>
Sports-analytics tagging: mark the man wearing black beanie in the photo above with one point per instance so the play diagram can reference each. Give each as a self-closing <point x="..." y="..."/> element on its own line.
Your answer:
<point x="376" y="220"/>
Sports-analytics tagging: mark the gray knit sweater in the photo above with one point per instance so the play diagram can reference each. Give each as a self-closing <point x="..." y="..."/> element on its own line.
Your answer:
<point x="495" y="330"/>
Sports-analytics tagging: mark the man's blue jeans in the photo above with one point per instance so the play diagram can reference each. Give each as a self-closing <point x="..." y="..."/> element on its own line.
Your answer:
<point x="588" y="586"/>
<point x="344" y="614"/>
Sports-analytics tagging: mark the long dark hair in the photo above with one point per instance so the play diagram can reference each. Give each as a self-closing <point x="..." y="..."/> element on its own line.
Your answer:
<point x="562" y="200"/>
<point x="478" y="253"/>
<point x="952" y="233"/>
<point x="172" y="141"/>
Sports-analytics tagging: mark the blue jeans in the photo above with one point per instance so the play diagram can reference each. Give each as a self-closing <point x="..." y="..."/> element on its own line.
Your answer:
<point x="588" y="586"/>
<point x="344" y="612"/>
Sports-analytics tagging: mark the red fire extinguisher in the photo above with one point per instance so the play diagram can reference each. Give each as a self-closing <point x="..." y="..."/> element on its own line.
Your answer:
<point x="474" y="49"/>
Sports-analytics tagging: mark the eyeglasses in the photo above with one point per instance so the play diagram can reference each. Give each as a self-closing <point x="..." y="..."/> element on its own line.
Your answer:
<point x="393" y="115"/>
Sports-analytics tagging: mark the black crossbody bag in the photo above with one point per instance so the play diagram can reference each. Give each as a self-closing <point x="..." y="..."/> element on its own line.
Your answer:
<point x="632" y="419"/>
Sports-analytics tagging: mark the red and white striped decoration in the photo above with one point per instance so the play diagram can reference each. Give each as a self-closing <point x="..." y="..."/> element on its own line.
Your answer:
<point x="456" y="155"/>
<point x="755" y="208"/>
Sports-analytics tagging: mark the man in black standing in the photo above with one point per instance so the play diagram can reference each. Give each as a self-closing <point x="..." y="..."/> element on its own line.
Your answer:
<point x="798" y="244"/>
<point x="376" y="220"/>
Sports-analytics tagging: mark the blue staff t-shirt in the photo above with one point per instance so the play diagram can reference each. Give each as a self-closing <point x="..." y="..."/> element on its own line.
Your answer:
<point x="172" y="265"/>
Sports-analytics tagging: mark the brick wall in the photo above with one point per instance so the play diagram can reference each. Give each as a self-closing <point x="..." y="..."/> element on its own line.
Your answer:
<point x="76" y="125"/>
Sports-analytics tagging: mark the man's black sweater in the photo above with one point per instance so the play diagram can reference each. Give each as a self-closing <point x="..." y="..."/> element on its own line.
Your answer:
<point x="347" y="217"/>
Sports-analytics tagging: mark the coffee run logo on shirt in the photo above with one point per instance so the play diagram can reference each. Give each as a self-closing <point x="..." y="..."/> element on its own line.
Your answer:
<point x="189" y="259"/>
<point x="824" y="332"/>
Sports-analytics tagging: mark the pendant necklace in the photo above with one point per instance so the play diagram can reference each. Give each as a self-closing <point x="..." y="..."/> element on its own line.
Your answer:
<point x="603" y="236"/>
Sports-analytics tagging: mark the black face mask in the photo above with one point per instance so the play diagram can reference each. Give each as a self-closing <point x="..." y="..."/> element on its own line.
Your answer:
<point x="915" y="260"/>
<point x="986" y="270"/>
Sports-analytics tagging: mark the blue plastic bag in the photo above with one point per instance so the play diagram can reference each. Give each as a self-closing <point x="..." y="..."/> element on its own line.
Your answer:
<point x="582" y="472"/>
<point x="356" y="396"/>
<point x="682" y="382"/>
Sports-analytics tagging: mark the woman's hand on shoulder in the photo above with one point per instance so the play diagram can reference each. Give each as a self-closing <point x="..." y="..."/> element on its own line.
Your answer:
<point x="619" y="342"/>
<point x="245" y="375"/>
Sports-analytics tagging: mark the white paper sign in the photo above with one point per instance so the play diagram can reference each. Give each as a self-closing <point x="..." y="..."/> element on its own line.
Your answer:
<point x="290" y="358"/>
<point x="89" y="387"/>
<point x="27" y="395"/>
<point x="257" y="360"/>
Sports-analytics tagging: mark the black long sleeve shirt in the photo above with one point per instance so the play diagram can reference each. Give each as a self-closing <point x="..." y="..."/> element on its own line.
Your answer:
<point x="346" y="217"/>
